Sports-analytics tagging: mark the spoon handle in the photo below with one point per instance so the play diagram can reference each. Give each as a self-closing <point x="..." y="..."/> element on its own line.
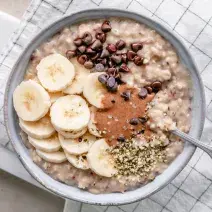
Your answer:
<point x="201" y="145"/>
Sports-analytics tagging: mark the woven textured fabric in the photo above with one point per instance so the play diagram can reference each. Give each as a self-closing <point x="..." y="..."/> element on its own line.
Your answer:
<point x="191" y="190"/>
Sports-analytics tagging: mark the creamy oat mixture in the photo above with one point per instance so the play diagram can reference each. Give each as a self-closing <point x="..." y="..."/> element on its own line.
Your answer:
<point x="105" y="126"/>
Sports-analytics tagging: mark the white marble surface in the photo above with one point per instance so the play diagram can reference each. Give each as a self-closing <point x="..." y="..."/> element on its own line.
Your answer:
<point x="192" y="21"/>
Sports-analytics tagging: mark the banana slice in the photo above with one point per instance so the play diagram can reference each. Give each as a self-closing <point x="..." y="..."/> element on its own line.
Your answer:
<point x="76" y="86"/>
<point x="72" y="134"/>
<point x="70" y="113"/>
<point x="99" y="160"/>
<point x="38" y="129"/>
<point x="31" y="101"/>
<point x="55" y="72"/>
<point x="92" y="128"/>
<point x="94" y="91"/>
<point x="54" y="157"/>
<point x="55" y="96"/>
<point x="77" y="146"/>
<point x="78" y="161"/>
<point x="51" y="144"/>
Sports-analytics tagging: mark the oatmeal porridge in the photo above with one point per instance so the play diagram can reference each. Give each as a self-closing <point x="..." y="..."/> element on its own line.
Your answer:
<point x="98" y="102"/>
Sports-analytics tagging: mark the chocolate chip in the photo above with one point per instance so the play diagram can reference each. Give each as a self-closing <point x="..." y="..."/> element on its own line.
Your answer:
<point x="82" y="59"/>
<point x="105" y="53"/>
<point x="112" y="72"/>
<point x="87" y="38"/>
<point x="121" y="138"/>
<point x="124" y="68"/>
<point x="136" y="46"/>
<point x="103" y="78"/>
<point x="70" y="54"/>
<point x="111" y="83"/>
<point x="84" y="157"/>
<point x="143" y="93"/>
<point x="101" y="36"/>
<point x="90" y="51"/>
<point x="131" y="55"/>
<point x="149" y="89"/>
<point x="120" y="44"/>
<point x="95" y="57"/>
<point x="110" y="63"/>
<point x="102" y="61"/>
<point x="88" y="64"/>
<point x="99" y="67"/>
<point x="116" y="58"/>
<point x="156" y="86"/>
<point x="78" y="41"/>
<point x="126" y="95"/>
<point x="124" y="58"/>
<point x="143" y="120"/>
<point x="111" y="48"/>
<point x="134" y="121"/>
<point x="114" y="88"/>
<point x="106" y="26"/>
<point x="119" y="78"/>
<point x="81" y="49"/>
<point x="138" y="60"/>
<point x="141" y="131"/>
<point x="113" y="101"/>
<point x="96" y="45"/>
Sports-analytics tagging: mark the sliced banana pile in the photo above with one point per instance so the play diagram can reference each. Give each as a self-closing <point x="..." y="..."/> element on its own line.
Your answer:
<point x="58" y="121"/>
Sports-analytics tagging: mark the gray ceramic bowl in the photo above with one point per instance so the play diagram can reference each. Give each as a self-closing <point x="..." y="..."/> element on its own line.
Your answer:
<point x="198" y="113"/>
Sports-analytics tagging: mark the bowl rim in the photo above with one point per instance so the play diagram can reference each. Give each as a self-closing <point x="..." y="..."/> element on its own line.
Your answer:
<point x="95" y="201"/>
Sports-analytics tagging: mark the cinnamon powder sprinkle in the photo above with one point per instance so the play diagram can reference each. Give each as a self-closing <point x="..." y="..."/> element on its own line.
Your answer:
<point x="120" y="113"/>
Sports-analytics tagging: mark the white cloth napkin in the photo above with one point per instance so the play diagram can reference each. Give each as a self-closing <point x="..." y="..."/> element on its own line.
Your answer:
<point x="192" y="21"/>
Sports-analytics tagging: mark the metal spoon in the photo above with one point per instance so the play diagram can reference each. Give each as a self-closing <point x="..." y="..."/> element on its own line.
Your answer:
<point x="201" y="145"/>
